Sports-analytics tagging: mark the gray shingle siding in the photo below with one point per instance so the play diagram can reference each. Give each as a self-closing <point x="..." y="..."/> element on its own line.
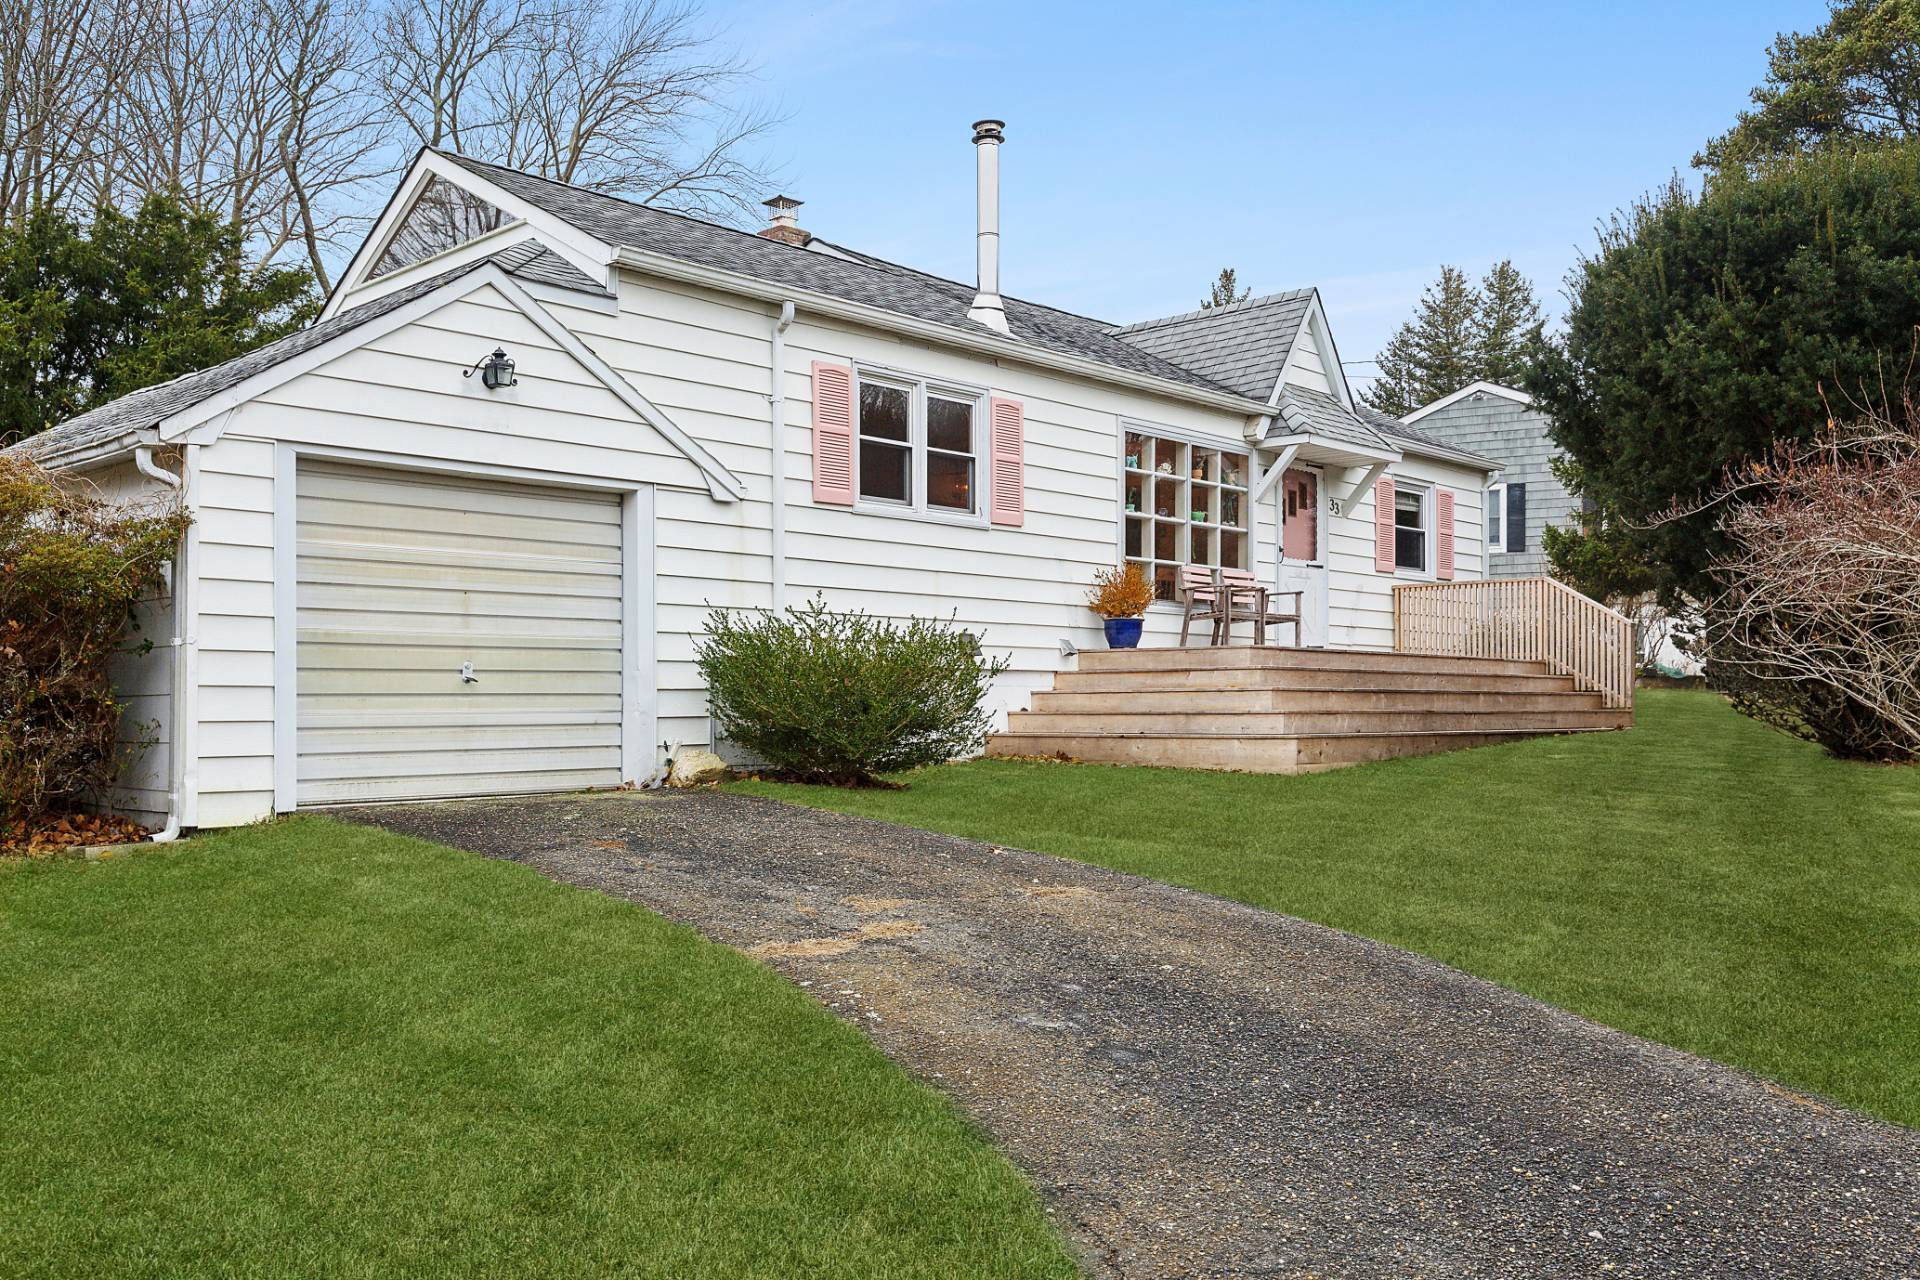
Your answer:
<point x="1515" y="436"/>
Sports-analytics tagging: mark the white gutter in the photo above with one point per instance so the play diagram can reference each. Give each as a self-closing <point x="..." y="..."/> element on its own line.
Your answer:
<point x="777" y="421"/>
<point x="985" y="342"/>
<point x="177" y="647"/>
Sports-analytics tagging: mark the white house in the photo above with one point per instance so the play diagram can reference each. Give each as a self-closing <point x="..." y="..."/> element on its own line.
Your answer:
<point x="411" y="575"/>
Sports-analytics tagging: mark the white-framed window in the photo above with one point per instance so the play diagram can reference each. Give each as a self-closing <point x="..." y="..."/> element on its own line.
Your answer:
<point x="1183" y="501"/>
<point x="919" y="444"/>
<point x="1412" y="529"/>
<point x="1496" y="518"/>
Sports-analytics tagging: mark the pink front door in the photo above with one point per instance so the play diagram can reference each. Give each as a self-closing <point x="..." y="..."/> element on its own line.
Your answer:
<point x="1300" y="516"/>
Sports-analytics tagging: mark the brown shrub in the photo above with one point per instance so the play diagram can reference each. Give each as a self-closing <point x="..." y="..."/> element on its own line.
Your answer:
<point x="72" y="567"/>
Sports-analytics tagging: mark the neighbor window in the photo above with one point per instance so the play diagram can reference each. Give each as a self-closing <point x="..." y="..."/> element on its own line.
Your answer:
<point x="1410" y="529"/>
<point x="1496" y="517"/>
<point x="1182" y="503"/>
<point x="919" y="444"/>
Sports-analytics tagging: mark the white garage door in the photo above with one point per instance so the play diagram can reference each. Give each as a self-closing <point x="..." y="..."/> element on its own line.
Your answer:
<point x="405" y="578"/>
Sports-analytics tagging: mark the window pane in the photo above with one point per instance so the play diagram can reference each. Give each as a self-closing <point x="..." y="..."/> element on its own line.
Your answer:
<point x="1410" y="548"/>
<point x="1233" y="468"/>
<point x="1202" y="546"/>
<point x="883" y="471"/>
<point x="1495" y="499"/>
<point x="949" y="425"/>
<point x="1205" y="499"/>
<point x="1233" y="551"/>
<point x="1406" y="509"/>
<point x="949" y="482"/>
<point x="1136" y="539"/>
<point x="883" y="413"/>
<point x="1166" y="584"/>
<point x="1138" y="453"/>
<point x="443" y="217"/>
<point x="1166" y="540"/>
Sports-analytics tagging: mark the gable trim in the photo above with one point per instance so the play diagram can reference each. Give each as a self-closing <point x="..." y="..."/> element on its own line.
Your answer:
<point x="1471" y="389"/>
<point x="1329" y="355"/>
<point x="203" y="423"/>
<point x="589" y="255"/>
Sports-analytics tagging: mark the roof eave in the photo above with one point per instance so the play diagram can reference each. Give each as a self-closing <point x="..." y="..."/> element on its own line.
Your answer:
<point x="984" y="342"/>
<point x="1421" y="449"/>
<point x="93" y="450"/>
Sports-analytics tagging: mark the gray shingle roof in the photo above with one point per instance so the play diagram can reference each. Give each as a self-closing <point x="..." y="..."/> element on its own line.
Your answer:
<point x="149" y="405"/>
<point x="1409" y="439"/>
<point x="1315" y="413"/>
<point x="854" y="277"/>
<point x="1243" y="345"/>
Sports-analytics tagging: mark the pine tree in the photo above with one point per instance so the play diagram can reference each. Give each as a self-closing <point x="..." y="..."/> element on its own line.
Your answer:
<point x="1438" y="348"/>
<point x="1459" y="334"/>
<point x="1509" y="326"/>
<point x="1226" y="291"/>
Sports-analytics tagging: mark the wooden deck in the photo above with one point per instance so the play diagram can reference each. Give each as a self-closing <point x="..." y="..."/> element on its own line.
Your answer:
<point x="1274" y="710"/>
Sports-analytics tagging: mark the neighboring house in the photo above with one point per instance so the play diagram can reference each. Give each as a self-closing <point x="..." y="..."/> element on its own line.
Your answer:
<point x="1501" y="423"/>
<point x="414" y="572"/>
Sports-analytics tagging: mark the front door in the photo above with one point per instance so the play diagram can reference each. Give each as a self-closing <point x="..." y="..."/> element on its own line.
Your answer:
<point x="1303" y="565"/>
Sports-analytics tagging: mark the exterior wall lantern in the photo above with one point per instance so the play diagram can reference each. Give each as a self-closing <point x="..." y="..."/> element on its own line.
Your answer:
<point x="496" y="370"/>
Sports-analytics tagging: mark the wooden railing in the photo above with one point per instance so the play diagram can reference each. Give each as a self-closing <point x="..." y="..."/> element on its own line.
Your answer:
<point x="1530" y="619"/>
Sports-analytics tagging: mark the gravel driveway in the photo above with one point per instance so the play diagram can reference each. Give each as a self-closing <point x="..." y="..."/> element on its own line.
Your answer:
<point x="1203" y="1089"/>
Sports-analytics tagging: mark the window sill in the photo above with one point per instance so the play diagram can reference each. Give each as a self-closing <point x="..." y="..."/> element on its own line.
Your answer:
<point x="919" y="515"/>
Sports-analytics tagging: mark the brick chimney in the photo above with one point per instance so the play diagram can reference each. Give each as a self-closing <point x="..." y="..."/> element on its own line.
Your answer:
<point x="782" y="224"/>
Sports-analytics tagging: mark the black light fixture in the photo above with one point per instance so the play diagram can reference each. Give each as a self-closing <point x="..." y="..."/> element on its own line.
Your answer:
<point x="496" y="370"/>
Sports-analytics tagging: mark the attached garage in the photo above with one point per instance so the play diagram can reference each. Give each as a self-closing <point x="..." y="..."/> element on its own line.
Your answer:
<point x="456" y="636"/>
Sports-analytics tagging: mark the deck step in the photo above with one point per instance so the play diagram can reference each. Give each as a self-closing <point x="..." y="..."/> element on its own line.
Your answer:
<point x="1106" y="681"/>
<point x="1251" y="656"/>
<point x="1277" y="710"/>
<point x="1245" y="753"/>
<point x="1346" y="698"/>
<point x="1308" y="723"/>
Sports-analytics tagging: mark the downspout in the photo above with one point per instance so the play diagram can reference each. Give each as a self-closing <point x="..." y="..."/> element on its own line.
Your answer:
<point x="176" y="651"/>
<point x="777" y="420"/>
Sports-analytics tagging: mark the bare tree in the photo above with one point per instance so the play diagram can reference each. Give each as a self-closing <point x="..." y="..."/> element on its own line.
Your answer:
<point x="1817" y="619"/>
<point x="63" y="69"/>
<point x="630" y="97"/>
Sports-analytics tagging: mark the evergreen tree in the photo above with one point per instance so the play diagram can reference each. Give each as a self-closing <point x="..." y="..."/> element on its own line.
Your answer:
<point x="1854" y="79"/>
<point x="1436" y="352"/>
<point x="1509" y="326"/>
<point x="88" y="314"/>
<point x="1459" y="334"/>
<point x="1226" y="291"/>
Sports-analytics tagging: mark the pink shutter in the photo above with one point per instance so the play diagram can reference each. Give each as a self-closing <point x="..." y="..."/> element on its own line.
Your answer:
<point x="1383" y="525"/>
<point x="1443" y="533"/>
<point x="833" y="434"/>
<point x="1007" y="486"/>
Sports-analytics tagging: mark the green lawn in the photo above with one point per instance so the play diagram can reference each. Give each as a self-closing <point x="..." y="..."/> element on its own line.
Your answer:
<point x="1701" y="880"/>
<point x="311" y="1049"/>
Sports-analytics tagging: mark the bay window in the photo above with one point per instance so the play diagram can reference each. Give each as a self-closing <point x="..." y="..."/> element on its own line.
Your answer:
<point x="1183" y="502"/>
<point x="919" y="444"/>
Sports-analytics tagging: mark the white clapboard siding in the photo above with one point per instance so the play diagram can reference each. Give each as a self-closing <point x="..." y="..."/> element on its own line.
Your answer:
<point x="402" y="578"/>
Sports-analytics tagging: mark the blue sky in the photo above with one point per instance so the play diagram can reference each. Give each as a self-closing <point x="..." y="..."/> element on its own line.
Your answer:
<point x="1354" y="147"/>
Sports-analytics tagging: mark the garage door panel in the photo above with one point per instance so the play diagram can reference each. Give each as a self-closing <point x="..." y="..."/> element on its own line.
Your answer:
<point x="432" y="688"/>
<point x="504" y="607"/>
<point x="406" y="491"/>
<point x="465" y="628"/>
<point x="405" y="577"/>
<point x="360" y="653"/>
<point x="365" y="740"/>
<point x="495" y="761"/>
<point x="373" y="790"/>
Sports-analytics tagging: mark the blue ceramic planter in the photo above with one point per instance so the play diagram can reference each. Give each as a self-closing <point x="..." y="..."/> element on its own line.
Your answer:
<point x="1123" y="633"/>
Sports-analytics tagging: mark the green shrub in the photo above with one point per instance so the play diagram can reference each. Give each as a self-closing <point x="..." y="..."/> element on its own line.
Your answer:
<point x="72" y="567"/>
<point x="842" y="698"/>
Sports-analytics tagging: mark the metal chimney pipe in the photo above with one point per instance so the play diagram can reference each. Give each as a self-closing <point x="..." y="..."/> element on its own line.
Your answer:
<point x="988" y="309"/>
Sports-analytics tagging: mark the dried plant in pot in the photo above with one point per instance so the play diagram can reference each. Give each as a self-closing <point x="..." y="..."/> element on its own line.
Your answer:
<point x="1120" y="595"/>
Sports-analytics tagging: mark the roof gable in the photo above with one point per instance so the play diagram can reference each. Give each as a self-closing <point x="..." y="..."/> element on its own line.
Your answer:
<point x="191" y="407"/>
<point x="1243" y="345"/>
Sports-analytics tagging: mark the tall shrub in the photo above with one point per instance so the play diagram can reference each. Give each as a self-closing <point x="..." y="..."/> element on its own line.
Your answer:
<point x="1701" y="327"/>
<point x="843" y="698"/>
<point x="72" y="567"/>
<point x="1815" y="622"/>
